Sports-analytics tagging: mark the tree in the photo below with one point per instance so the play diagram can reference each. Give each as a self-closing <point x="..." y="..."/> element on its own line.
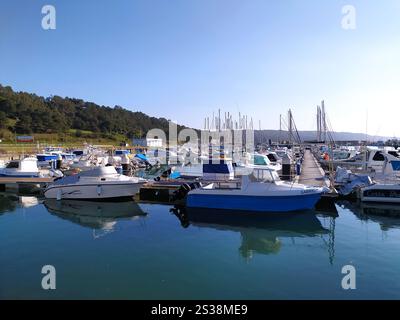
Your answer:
<point x="3" y="120"/>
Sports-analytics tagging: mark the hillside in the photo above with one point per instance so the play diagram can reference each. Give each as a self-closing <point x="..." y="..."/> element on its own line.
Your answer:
<point x="26" y="113"/>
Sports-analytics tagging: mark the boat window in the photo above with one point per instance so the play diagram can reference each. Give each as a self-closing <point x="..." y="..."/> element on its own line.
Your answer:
<point x="265" y="175"/>
<point x="378" y="157"/>
<point x="13" y="165"/>
<point x="259" y="160"/>
<point x="271" y="157"/>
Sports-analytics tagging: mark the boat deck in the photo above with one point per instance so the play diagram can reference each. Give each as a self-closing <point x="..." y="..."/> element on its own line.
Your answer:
<point x="311" y="172"/>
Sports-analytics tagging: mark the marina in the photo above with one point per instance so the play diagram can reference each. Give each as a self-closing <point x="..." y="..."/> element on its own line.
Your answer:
<point x="220" y="151"/>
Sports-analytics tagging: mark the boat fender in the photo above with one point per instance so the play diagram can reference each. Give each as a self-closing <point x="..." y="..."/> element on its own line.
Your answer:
<point x="99" y="190"/>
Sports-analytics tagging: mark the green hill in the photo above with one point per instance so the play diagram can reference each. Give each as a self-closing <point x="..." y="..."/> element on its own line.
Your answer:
<point x="27" y="113"/>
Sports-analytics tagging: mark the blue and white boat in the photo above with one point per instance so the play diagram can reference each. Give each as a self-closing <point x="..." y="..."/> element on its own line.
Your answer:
<point x="261" y="191"/>
<point x="46" y="158"/>
<point x="122" y="152"/>
<point x="25" y="168"/>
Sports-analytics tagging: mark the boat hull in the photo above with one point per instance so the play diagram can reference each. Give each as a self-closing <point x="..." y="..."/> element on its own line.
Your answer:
<point x="254" y="203"/>
<point x="94" y="192"/>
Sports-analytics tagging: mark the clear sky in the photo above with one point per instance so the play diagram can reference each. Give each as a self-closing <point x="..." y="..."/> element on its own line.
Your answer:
<point x="182" y="59"/>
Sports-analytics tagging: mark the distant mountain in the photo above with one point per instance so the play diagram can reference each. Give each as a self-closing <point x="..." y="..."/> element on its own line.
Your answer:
<point x="276" y="135"/>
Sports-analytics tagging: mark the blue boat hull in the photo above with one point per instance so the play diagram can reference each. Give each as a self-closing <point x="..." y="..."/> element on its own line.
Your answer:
<point x="253" y="203"/>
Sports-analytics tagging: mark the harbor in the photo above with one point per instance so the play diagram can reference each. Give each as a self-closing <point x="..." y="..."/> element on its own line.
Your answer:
<point x="199" y="154"/>
<point x="220" y="211"/>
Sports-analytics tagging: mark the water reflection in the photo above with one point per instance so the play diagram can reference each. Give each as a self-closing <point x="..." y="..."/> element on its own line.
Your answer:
<point x="260" y="234"/>
<point x="94" y="215"/>
<point x="10" y="201"/>
<point x="386" y="215"/>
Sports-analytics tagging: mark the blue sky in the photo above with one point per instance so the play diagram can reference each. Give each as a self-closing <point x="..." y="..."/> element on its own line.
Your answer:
<point x="183" y="59"/>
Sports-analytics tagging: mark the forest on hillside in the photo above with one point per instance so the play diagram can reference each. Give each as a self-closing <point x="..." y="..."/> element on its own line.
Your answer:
<point x="27" y="113"/>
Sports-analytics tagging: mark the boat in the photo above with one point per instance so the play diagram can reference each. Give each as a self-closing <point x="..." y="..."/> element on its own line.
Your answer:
<point x="25" y="168"/>
<point x="378" y="186"/>
<point x="261" y="191"/>
<point x="100" y="183"/>
<point x="256" y="161"/>
<point x="381" y="192"/>
<point x="206" y="169"/>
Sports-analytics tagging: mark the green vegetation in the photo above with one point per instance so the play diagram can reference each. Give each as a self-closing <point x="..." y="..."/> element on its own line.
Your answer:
<point x="68" y="119"/>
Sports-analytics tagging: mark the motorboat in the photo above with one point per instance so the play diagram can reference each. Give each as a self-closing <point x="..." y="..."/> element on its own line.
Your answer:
<point x="256" y="161"/>
<point x="25" y="168"/>
<point x="206" y="169"/>
<point x="260" y="191"/>
<point x="100" y="183"/>
<point x="381" y="192"/>
<point x="376" y="186"/>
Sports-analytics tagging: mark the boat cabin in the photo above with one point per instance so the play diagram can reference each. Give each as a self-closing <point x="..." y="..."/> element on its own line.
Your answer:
<point x="26" y="167"/>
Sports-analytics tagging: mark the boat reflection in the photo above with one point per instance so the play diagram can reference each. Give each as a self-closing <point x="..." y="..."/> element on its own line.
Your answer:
<point x="386" y="215"/>
<point x="94" y="215"/>
<point x="260" y="234"/>
<point x="10" y="201"/>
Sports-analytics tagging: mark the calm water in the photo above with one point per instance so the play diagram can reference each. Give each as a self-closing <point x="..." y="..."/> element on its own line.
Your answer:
<point x="122" y="250"/>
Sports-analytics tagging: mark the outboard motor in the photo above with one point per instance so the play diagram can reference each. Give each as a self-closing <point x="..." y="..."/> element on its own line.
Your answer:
<point x="59" y="162"/>
<point x="56" y="173"/>
<point x="125" y="164"/>
<point x="184" y="190"/>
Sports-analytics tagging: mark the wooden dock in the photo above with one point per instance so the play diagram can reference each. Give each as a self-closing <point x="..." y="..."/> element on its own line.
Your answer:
<point x="9" y="180"/>
<point x="311" y="172"/>
<point x="29" y="185"/>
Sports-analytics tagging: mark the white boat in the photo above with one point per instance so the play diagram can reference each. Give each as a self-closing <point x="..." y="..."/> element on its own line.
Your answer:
<point x="25" y="168"/>
<point x="101" y="183"/>
<point x="381" y="186"/>
<point x="261" y="191"/>
<point x="256" y="161"/>
<point x="381" y="192"/>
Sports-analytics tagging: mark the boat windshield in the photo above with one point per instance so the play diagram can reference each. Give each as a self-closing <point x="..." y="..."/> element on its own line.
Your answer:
<point x="394" y="153"/>
<point x="13" y="165"/>
<point x="265" y="175"/>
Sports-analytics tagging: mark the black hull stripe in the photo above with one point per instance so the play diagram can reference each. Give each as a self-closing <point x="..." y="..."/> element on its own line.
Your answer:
<point x="92" y="185"/>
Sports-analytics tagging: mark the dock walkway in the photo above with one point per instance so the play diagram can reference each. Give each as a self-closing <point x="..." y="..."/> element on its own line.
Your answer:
<point x="23" y="184"/>
<point x="311" y="172"/>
